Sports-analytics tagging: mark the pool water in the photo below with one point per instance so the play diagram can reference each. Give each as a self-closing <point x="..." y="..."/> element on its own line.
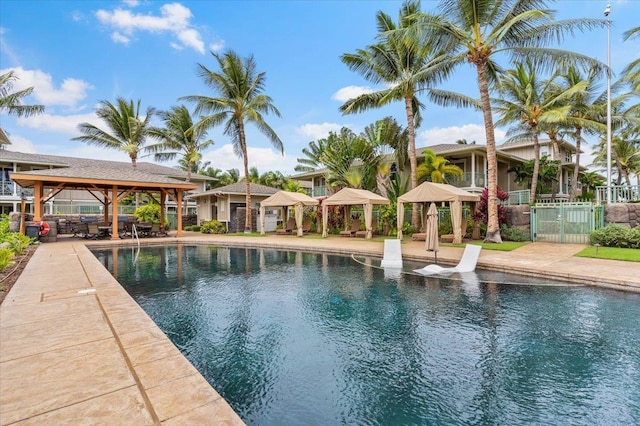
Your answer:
<point x="292" y="338"/>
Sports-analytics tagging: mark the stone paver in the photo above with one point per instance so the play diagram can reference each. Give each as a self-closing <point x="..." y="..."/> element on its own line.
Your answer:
<point x="75" y="348"/>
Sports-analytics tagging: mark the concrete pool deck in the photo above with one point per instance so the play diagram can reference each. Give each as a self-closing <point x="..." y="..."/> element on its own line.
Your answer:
<point x="75" y="348"/>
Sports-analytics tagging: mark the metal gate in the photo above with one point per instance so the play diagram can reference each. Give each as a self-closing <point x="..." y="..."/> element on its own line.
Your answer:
<point x="565" y="222"/>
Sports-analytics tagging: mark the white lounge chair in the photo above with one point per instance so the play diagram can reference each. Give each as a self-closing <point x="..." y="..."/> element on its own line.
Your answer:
<point x="467" y="263"/>
<point x="392" y="257"/>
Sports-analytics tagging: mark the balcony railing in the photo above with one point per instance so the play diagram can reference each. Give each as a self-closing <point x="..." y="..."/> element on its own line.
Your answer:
<point x="320" y="191"/>
<point x="466" y="180"/>
<point x="619" y="194"/>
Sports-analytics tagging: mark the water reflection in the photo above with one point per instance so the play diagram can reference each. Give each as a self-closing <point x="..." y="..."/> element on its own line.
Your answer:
<point x="304" y="338"/>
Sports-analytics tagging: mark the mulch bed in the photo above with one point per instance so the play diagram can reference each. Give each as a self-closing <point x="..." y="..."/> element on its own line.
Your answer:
<point x="10" y="275"/>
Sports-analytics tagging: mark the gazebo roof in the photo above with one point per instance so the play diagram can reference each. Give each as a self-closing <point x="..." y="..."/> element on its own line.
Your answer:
<point x="350" y="196"/>
<point x="286" y="198"/>
<point x="437" y="192"/>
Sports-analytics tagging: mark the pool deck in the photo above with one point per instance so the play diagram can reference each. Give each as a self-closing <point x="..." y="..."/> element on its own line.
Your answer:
<point x="75" y="348"/>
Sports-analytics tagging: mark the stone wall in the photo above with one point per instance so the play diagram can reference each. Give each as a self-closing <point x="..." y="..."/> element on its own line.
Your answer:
<point x="622" y="214"/>
<point x="519" y="216"/>
<point x="237" y="222"/>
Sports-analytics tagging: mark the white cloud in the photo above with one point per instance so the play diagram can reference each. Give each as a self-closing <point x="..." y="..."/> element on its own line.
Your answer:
<point x="470" y="132"/>
<point x="67" y="124"/>
<point x="216" y="47"/>
<point x="264" y="159"/>
<point x="174" y="18"/>
<point x="350" y="92"/>
<point x="20" y="144"/>
<point x="131" y="3"/>
<point x="119" y="38"/>
<point x="318" y="131"/>
<point x="69" y="94"/>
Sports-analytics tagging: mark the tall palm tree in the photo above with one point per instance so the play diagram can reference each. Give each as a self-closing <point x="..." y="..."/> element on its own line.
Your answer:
<point x="631" y="72"/>
<point x="405" y="68"/>
<point x="475" y="32"/>
<point x="437" y="168"/>
<point x="527" y="101"/>
<point x="240" y="100"/>
<point x="127" y="130"/>
<point x="587" y="112"/>
<point x="11" y="102"/>
<point x="179" y="136"/>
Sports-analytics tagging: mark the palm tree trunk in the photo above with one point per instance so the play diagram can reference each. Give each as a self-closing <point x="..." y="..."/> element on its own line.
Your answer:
<point x="247" y="182"/>
<point x="576" y="167"/>
<point x="493" y="226"/>
<point x="413" y="162"/>
<point x="556" y="157"/>
<point x="536" y="165"/>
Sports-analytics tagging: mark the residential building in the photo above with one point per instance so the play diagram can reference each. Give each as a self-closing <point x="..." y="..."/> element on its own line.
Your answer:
<point x="224" y="203"/>
<point x="472" y="159"/>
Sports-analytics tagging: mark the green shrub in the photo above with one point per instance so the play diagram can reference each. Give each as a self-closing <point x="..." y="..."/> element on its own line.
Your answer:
<point x="513" y="233"/>
<point x="5" y="258"/>
<point x="213" y="227"/>
<point x="18" y="242"/>
<point x="616" y="236"/>
<point x="195" y="228"/>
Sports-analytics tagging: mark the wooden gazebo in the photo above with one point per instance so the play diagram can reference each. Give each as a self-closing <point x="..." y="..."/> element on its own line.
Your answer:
<point x="107" y="185"/>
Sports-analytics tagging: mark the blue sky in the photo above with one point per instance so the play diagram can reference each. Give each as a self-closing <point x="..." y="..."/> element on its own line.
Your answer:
<point x="76" y="53"/>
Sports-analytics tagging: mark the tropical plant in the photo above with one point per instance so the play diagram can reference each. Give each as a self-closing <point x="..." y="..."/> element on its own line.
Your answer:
<point x="11" y="102"/>
<point x="313" y="155"/>
<point x="127" y="130"/>
<point x="586" y="114"/>
<point x="148" y="213"/>
<point x="547" y="171"/>
<point x="437" y="168"/>
<point x="482" y="209"/>
<point x="528" y="102"/>
<point x="476" y="32"/>
<point x="405" y="68"/>
<point x="240" y="100"/>
<point x="631" y="73"/>
<point x="179" y="136"/>
<point x="213" y="227"/>
<point x="626" y="156"/>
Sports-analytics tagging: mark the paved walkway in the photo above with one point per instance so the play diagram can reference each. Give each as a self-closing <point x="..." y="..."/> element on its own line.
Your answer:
<point x="76" y="349"/>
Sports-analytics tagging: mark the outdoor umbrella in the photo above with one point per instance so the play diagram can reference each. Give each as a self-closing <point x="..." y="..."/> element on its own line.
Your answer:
<point x="431" y="237"/>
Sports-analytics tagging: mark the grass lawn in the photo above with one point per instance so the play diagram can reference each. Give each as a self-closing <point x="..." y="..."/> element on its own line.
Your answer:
<point x="612" y="253"/>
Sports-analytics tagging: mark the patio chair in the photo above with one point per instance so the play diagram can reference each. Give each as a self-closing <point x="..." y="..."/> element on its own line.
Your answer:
<point x="467" y="263"/>
<point x="306" y="226"/>
<point x="355" y="227"/>
<point x="93" y="232"/>
<point x="374" y="225"/>
<point x="392" y="254"/>
<point x="288" y="229"/>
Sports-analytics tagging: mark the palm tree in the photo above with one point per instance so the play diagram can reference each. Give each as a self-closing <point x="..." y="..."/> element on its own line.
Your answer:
<point x="240" y="100"/>
<point x="313" y="157"/>
<point x="11" y="102"/>
<point x="631" y="72"/>
<point x="437" y="168"/>
<point x="405" y="68"/>
<point x="587" y="112"/>
<point x="626" y="155"/>
<point x="526" y="101"/>
<point x="179" y="136"/>
<point x="475" y="32"/>
<point x="127" y="130"/>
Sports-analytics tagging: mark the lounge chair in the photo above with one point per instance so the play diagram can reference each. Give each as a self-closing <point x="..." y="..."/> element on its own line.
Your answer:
<point x="306" y="226"/>
<point x="392" y="255"/>
<point x="374" y="225"/>
<point x="467" y="263"/>
<point x="355" y="227"/>
<point x="419" y="236"/>
<point x="288" y="229"/>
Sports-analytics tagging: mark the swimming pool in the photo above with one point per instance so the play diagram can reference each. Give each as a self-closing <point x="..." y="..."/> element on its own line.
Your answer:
<point x="291" y="338"/>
